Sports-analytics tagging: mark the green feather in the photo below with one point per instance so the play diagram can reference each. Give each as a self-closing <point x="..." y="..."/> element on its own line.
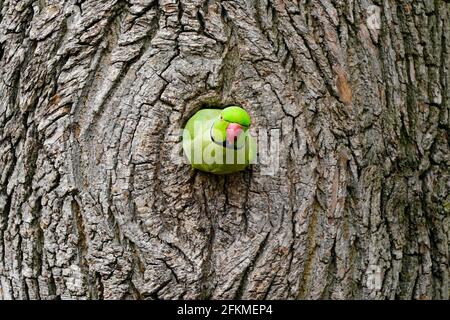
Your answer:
<point x="236" y="115"/>
<point x="211" y="156"/>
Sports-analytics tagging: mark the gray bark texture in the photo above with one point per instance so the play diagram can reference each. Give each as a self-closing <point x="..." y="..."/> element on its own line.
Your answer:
<point x="93" y="93"/>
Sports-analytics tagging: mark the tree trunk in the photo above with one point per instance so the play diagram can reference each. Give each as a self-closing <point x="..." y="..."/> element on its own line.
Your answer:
<point x="353" y="95"/>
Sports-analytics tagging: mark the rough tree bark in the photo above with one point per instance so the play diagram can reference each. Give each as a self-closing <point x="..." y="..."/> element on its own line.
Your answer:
<point x="92" y="95"/>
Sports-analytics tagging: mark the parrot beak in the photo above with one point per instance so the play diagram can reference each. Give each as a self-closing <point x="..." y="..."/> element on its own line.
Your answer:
<point x="233" y="132"/>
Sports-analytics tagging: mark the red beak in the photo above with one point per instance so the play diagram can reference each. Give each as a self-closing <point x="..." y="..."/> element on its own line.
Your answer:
<point x="233" y="131"/>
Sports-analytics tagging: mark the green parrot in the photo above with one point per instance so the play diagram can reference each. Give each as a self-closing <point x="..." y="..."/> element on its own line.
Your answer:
<point x="218" y="140"/>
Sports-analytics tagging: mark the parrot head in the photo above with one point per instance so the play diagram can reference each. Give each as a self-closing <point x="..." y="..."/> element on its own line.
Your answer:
<point x="231" y="126"/>
<point x="238" y="121"/>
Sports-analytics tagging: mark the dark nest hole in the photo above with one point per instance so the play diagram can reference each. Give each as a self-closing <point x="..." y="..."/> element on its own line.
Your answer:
<point x="211" y="103"/>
